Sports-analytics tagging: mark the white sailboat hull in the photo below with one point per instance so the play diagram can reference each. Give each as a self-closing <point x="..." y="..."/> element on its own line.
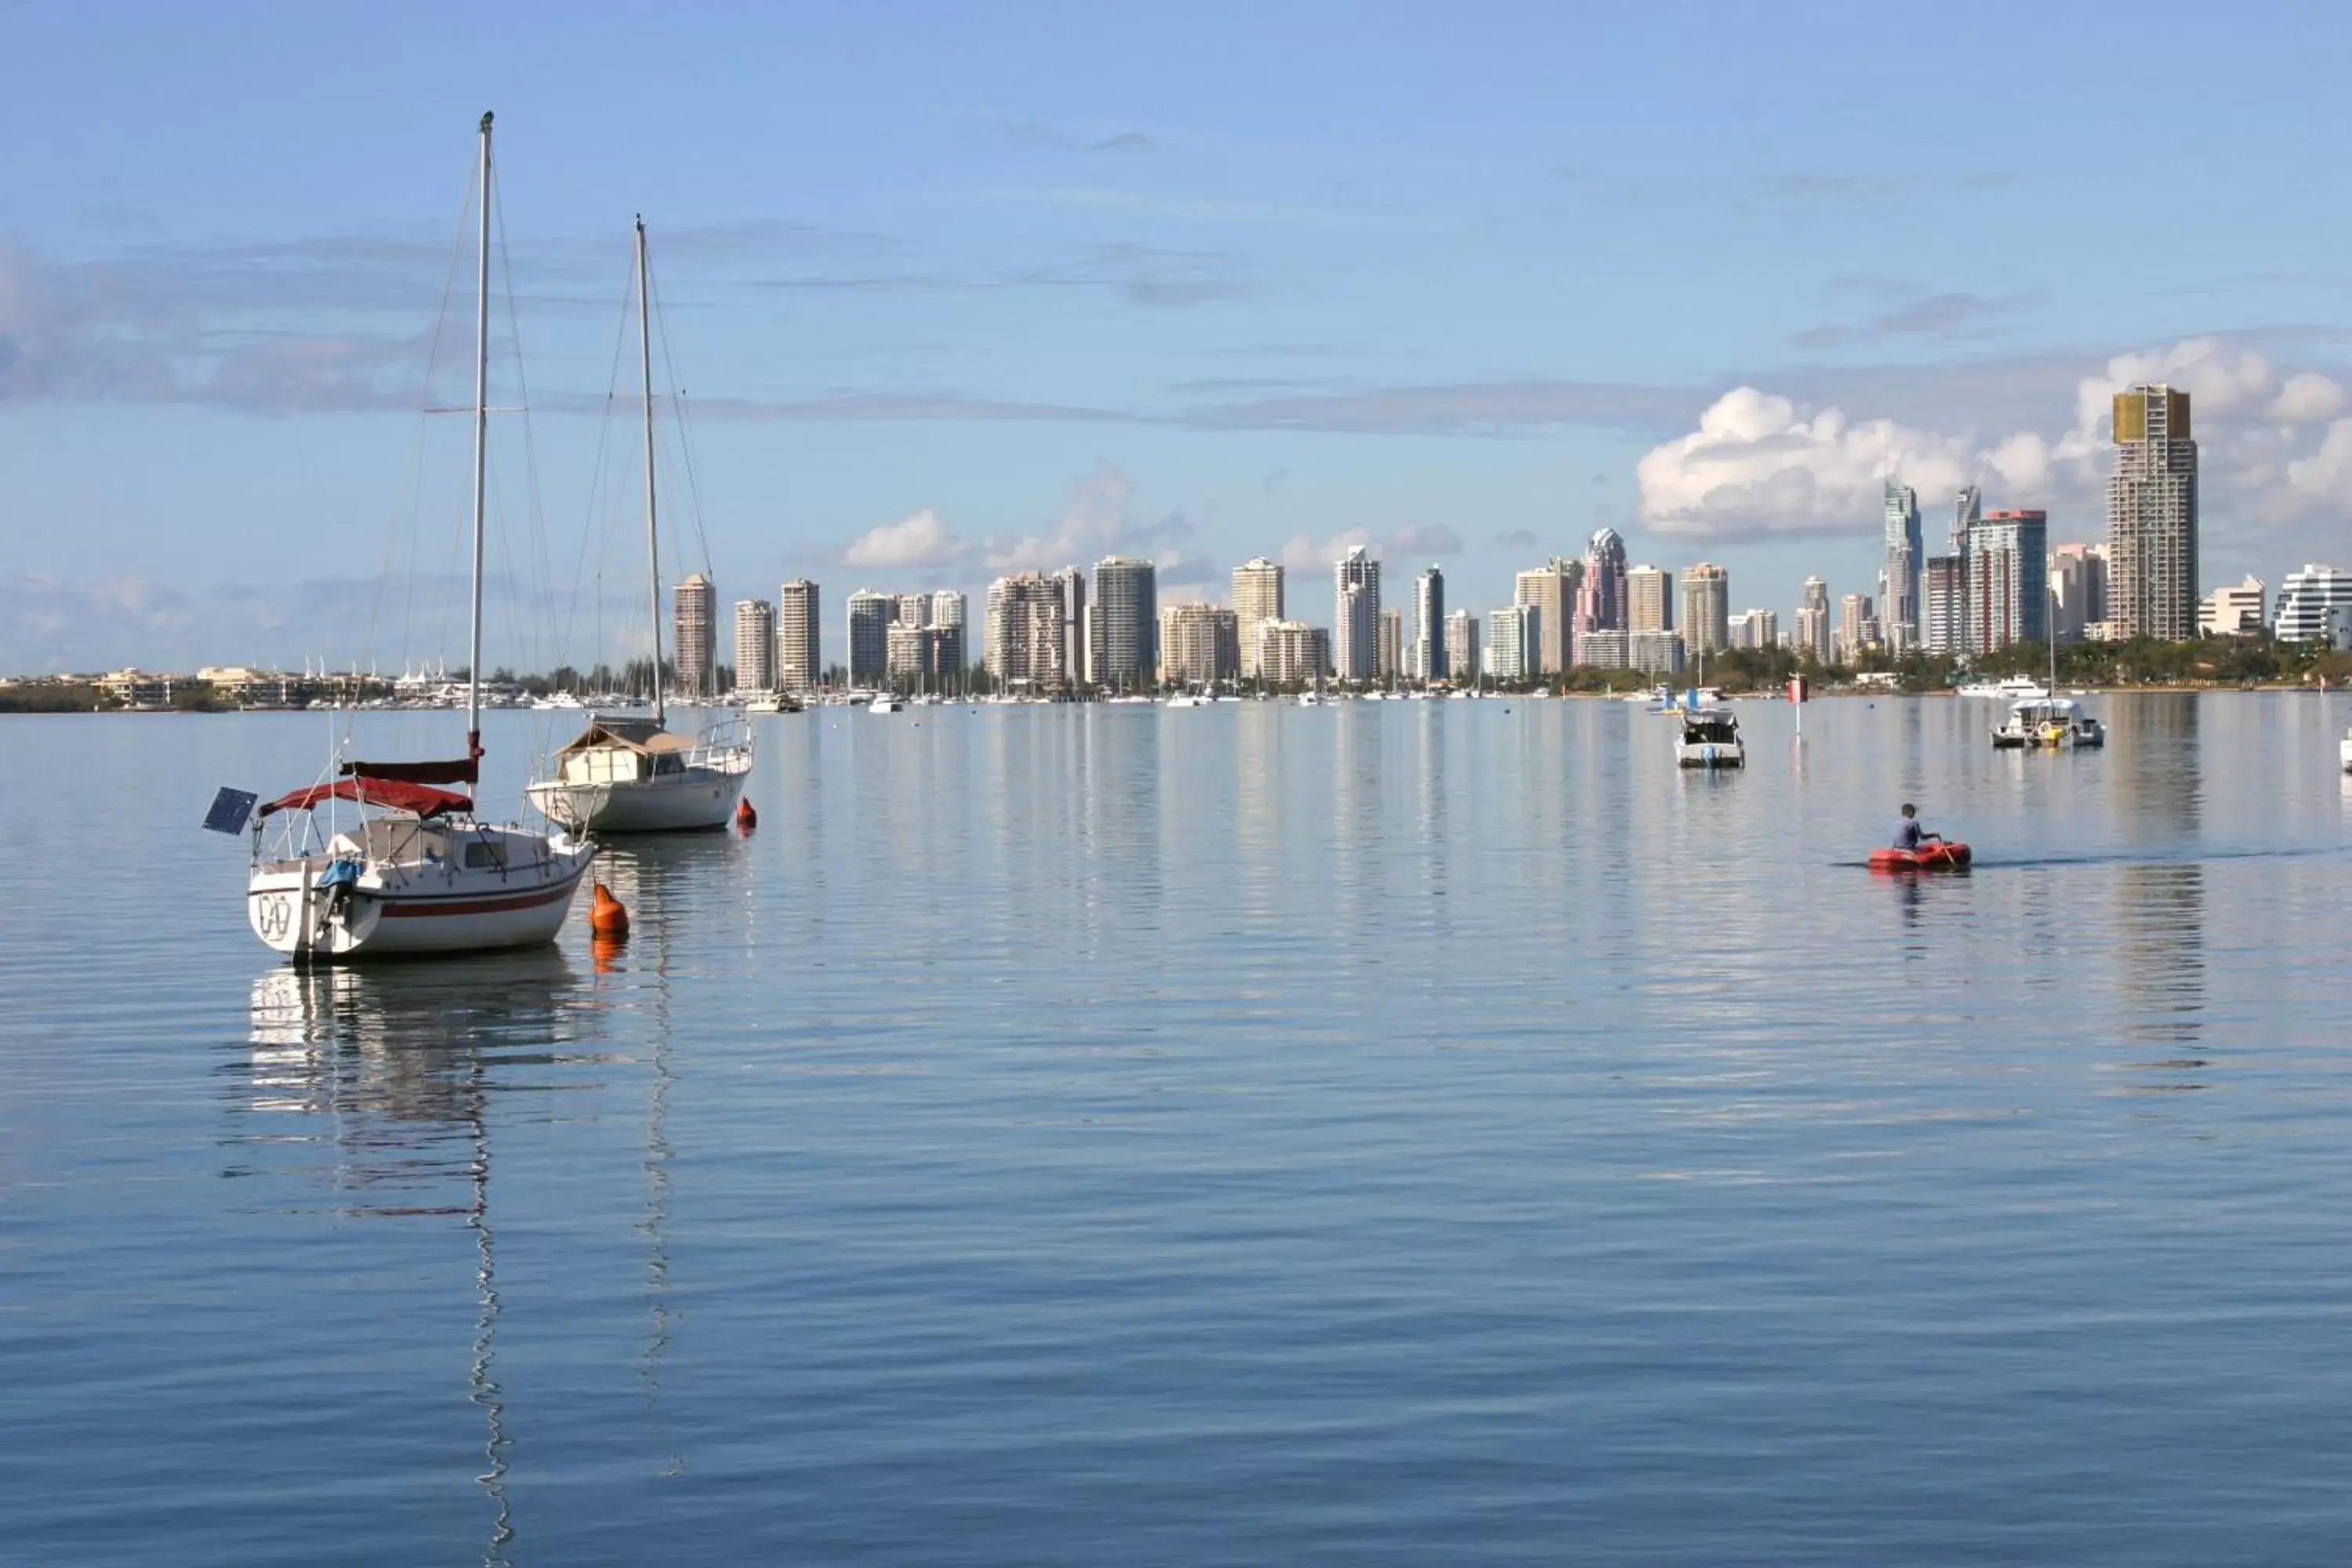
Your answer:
<point x="404" y="909"/>
<point x="700" y="798"/>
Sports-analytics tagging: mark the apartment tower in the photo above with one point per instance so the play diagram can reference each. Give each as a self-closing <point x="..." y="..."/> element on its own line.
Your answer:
<point x="694" y="613"/>
<point x="2152" y="516"/>
<point x="800" y="661"/>
<point x="1356" y="615"/>
<point x="755" y="646"/>
<point x="1257" y="599"/>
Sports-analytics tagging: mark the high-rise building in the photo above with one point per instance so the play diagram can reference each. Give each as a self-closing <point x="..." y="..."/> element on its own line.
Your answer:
<point x="1648" y="599"/>
<point x="1257" y="598"/>
<point x="949" y="612"/>
<point x="1127" y="606"/>
<point x="1290" y="653"/>
<point x="695" y="611"/>
<point x="911" y="610"/>
<point x="1898" y="573"/>
<point x="1461" y="646"/>
<point x="2152" y="516"/>
<point x="1944" y="605"/>
<point x="1553" y="589"/>
<point x="1601" y="597"/>
<point x="1857" y="627"/>
<point x="1812" y="634"/>
<point x="869" y="636"/>
<point x="2316" y="603"/>
<point x="800" y="658"/>
<point x="1199" y="643"/>
<point x="1070" y="583"/>
<point x="755" y="646"/>
<point x="1604" y="650"/>
<point x="1654" y="653"/>
<point x="1756" y="629"/>
<point x="1513" y="642"/>
<point x="906" y="652"/>
<point x="1026" y="624"/>
<point x="1813" y="621"/>
<point x="1356" y="615"/>
<point x="2234" y="611"/>
<point x="1706" y="608"/>
<point x="1425" y="659"/>
<point x="1968" y="506"/>
<point x="2078" y="589"/>
<point x="1388" y="662"/>
<point x="2008" y="582"/>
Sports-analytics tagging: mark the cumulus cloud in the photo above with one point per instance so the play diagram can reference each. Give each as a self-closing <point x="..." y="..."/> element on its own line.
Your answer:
<point x="2274" y="448"/>
<point x="1095" y="522"/>
<point x="914" y="543"/>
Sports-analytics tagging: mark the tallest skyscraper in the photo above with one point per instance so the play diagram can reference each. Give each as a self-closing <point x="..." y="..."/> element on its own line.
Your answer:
<point x="1898" y="574"/>
<point x="2152" y="516"/>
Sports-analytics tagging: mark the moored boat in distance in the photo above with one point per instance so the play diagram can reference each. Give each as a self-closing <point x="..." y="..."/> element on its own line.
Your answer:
<point x="2016" y="688"/>
<point x="2051" y="722"/>
<point x="634" y="775"/>
<point x="1709" y="738"/>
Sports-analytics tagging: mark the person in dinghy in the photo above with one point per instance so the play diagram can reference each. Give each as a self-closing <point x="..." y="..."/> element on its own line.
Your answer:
<point x="1909" y="834"/>
<point x="1916" y="849"/>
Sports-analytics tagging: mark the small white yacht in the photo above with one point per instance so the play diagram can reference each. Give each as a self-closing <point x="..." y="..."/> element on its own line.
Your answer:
<point x="885" y="704"/>
<point x="2344" y="750"/>
<point x="1709" y="738"/>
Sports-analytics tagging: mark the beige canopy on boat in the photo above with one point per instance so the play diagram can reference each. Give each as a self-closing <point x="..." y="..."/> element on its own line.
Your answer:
<point x="642" y="736"/>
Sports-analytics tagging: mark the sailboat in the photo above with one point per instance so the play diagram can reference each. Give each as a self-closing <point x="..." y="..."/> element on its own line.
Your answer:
<point x="633" y="774"/>
<point x="420" y="875"/>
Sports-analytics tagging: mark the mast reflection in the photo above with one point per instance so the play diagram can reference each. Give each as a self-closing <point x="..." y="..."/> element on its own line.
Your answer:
<point x="400" y="1062"/>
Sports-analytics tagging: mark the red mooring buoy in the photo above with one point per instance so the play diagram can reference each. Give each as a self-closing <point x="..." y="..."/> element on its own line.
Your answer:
<point x="745" y="817"/>
<point x="607" y="917"/>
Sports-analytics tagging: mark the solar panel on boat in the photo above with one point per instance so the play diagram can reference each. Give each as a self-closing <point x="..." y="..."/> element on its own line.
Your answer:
<point x="232" y="809"/>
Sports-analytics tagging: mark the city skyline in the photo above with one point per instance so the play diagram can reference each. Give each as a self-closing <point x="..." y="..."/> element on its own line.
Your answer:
<point x="1263" y="334"/>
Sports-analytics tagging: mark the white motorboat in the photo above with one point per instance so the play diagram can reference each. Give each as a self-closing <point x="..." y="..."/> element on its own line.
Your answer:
<point x="2051" y="722"/>
<point x="2016" y="688"/>
<point x="634" y="775"/>
<point x="421" y="875"/>
<point x="2344" y="750"/>
<point x="1709" y="738"/>
<point x="886" y="704"/>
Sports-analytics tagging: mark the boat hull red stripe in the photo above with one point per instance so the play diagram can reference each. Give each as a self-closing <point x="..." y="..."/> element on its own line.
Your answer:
<point x="402" y="908"/>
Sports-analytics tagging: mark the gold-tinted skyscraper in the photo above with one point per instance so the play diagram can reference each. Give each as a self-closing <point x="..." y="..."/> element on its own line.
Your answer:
<point x="2152" y="516"/>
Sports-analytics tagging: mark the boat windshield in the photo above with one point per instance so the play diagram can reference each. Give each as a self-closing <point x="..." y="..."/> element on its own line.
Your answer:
<point x="1711" y="729"/>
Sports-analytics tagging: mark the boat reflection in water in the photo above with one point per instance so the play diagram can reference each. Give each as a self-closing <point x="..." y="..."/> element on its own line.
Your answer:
<point x="402" y="1062"/>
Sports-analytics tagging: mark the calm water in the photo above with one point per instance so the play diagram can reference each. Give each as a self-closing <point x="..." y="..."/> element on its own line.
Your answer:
<point x="1400" y="1132"/>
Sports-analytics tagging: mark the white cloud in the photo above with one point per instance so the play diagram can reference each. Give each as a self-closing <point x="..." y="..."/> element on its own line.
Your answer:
<point x="918" y="541"/>
<point x="1761" y="466"/>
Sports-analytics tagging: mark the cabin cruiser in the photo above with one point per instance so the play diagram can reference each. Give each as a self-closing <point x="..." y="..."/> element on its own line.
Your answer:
<point x="1709" y="739"/>
<point x="885" y="704"/>
<point x="2344" y="750"/>
<point x="2016" y="688"/>
<point x="2053" y="722"/>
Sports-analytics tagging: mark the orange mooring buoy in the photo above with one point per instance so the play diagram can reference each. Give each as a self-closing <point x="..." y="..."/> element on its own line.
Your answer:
<point x="745" y="817"/>
<point x="608" y="917"/>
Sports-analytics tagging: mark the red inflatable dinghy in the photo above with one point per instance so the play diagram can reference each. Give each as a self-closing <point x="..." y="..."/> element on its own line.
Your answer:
<point x="1927" y="858"/>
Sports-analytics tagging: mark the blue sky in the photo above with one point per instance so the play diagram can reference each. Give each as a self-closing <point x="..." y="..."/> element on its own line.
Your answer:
<point x="953" y="289"/>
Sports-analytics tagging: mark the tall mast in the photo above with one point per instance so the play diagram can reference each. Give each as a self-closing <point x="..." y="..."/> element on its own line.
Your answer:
<point x="482" y="451"/>
<point x="653" y="533"/>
